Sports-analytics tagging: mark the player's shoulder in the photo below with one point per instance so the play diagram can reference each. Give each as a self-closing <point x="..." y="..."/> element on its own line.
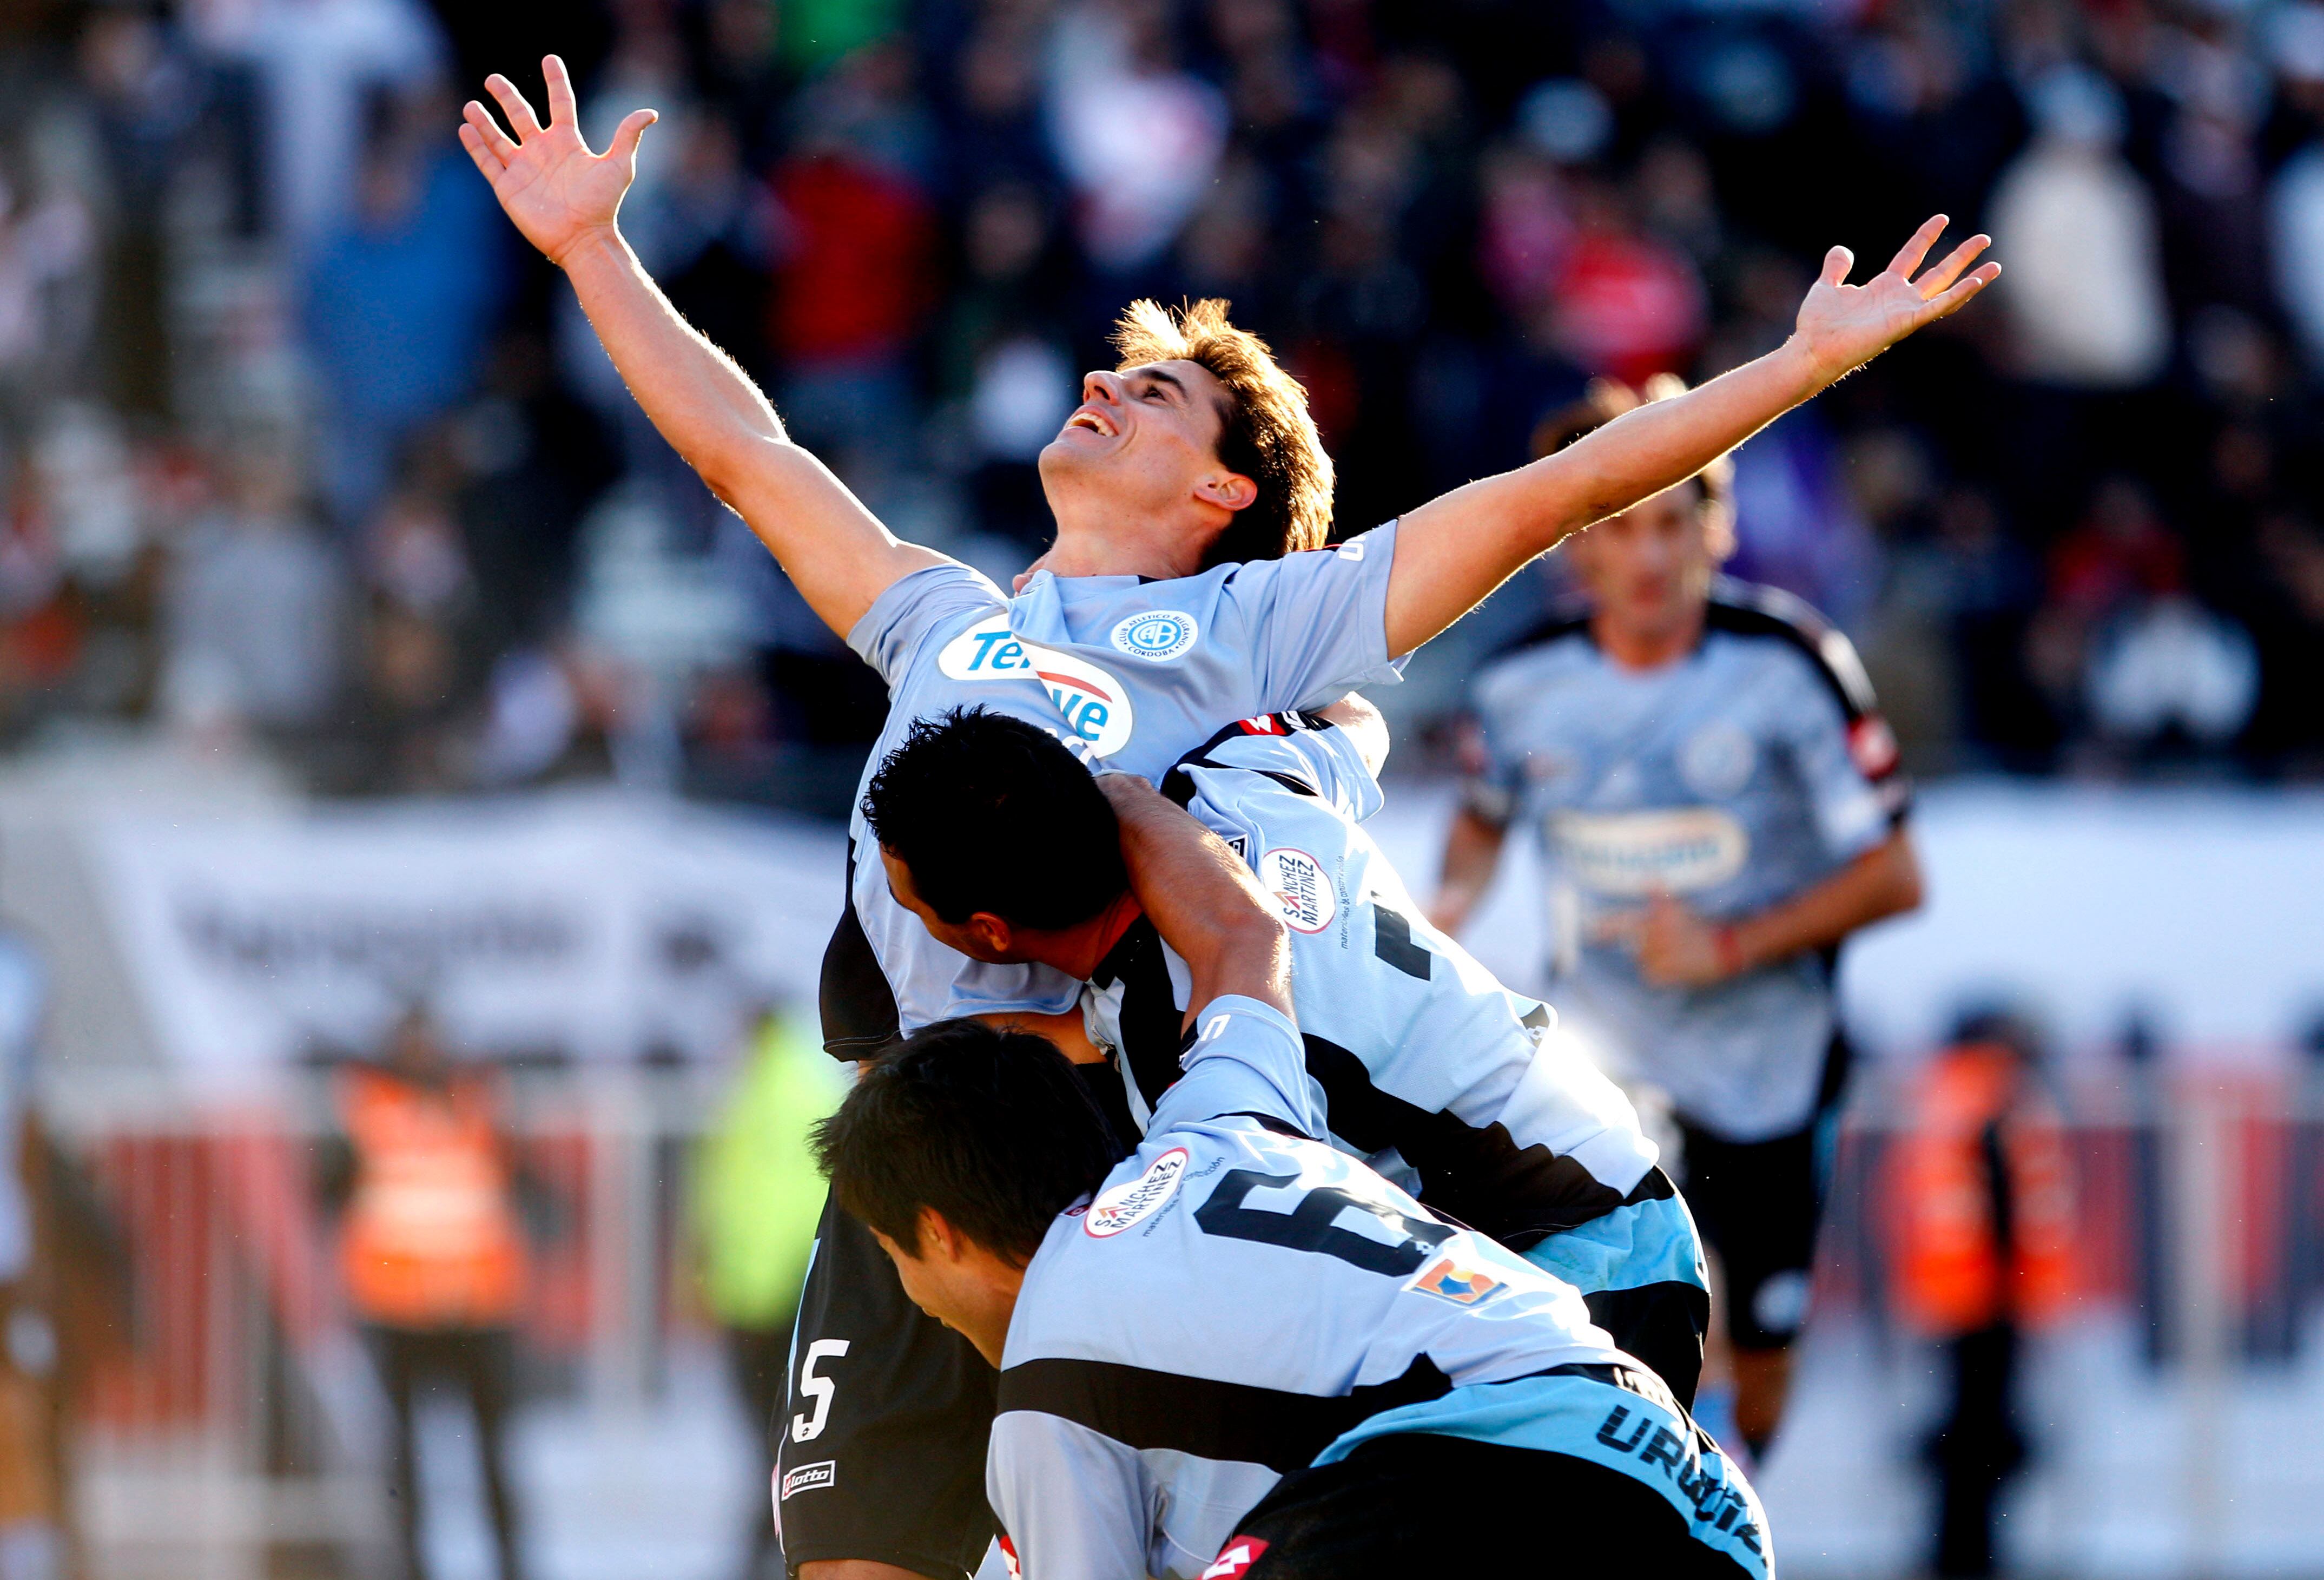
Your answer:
<point x="1795" y="634"/>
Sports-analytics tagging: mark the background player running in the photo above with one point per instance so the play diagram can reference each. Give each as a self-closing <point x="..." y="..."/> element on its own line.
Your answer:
<point x="1238" y="1316"/>
<point x="1719" y="807"/>
<point x="1198" y="453"/>
<point x="1428" y="1067"/>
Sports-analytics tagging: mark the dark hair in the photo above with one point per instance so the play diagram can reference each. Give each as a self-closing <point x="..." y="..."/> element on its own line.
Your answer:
<point x="991" y="813"/>
<point x="992" y="1128"/>
<point x="1266" y="432"/>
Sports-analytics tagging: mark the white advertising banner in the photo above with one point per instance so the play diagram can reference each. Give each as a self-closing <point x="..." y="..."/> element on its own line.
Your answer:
<point x="585" y="927"/>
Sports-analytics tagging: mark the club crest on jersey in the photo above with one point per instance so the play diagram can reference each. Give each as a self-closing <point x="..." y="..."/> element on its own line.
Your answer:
<point x="1448" y="1278"/>
<point x="1134" y="1201"/>
<point x="1300" y="886"/>
<point x="1158" y="635"/>
<point x="1236" y="1559"/>
<point x="1094" y="705"/>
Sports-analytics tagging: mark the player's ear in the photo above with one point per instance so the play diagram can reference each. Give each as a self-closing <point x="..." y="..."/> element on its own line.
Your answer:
<point x="991" y="931"/>
<point x="1228" y="491"/>
<point x="939" y="1241"/>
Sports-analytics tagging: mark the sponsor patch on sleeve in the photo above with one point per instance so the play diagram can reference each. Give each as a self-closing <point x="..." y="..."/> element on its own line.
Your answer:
<point x="1300" y="886"/>
<point x="1236" y="1559"/>
<point x="806" y="1478"/>
<point x="1450" y="1278"/>
<point x="1872" y="745"/>
<point x="1134" y="1201"/>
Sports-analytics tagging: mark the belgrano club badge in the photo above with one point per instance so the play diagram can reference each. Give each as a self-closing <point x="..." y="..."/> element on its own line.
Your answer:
<point x="1300" y="887"/>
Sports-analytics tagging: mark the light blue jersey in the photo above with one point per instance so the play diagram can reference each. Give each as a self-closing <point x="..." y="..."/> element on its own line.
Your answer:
<point x="1428" y="1068"/>
<point x="1131" y="674"/>
<point x="1732" y="779"/>
<point x="1237" y="1301"/>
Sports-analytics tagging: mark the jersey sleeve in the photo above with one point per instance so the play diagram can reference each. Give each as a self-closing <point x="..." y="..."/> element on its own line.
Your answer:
<point x="1246" y="1058"/>
<point x="901" y="617"/>
<point x="1315" y="623"/>
<point x="1336" y="764"/>
<point x="1844" y="752"/>
<point x="1073" y="1503"/>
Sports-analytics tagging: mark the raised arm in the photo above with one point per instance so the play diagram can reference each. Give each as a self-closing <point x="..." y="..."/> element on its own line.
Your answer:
<point x="1453" y="550"/>
<point x="1202" y="899"/>
<point x="566" y="201"/>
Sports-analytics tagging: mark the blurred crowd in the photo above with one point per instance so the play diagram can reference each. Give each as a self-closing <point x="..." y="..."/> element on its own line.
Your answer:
<point x="302" y="454"/>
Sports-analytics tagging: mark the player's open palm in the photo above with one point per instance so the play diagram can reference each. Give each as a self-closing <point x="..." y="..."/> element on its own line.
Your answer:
<point x="554" y="190"/>
<point x="1844" y="326"/>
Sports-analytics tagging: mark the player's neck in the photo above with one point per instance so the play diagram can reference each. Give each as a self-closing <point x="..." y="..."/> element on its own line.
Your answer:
<point x="1642" y="645"/>
<point x="1092" y="539"/>
<point x="1077" y="950"/>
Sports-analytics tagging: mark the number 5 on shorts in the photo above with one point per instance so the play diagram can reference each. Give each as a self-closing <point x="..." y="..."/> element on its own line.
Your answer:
<point x="819" y="1388"/>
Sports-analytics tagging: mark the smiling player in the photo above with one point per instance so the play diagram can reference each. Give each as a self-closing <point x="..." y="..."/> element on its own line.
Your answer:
<point x="1194" y="464"/>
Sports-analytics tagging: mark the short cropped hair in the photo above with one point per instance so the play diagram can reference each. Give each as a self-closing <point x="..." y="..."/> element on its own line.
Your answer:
<point x="992" y="1128"/>
<point x="1266" y="432"/>
<point x="991" y="813"/>
<point x="1608" y="399"/>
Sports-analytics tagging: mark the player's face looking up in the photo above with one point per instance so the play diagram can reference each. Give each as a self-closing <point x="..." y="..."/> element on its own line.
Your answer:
<point x="1647" y="571"/>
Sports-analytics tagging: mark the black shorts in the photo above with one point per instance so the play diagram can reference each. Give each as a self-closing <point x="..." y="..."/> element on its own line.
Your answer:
<point x="879" y="1452"/>
<point x="1416" y="1504"/>
<point x="1758" y="1205"/>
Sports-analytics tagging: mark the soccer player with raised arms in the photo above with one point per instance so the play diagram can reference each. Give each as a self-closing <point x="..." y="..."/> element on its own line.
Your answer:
<point x="1240" y="1352"/>
<point x="1195" y="465"/>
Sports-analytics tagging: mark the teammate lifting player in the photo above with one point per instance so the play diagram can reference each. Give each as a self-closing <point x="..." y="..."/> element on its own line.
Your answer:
<point x="1429" y="1067"/>
<point x="1241" y="1353"/>
<point x="1194" y="465"/>
<point x="1721" y="807"/>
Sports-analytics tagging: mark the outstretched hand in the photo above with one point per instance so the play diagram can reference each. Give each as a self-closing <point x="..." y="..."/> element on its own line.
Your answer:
<point x="553" y="188"/>
<point x="1842" y="327"/>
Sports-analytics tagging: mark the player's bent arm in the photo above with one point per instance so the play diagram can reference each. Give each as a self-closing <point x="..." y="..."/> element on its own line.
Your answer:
<point x="566" y="200"/>
<point x="1883" y="882"/>
<point x="1202" y="899"/>
<point x="854" y="1569"/>
<point x="1453" y="550"/>
<point x="1473" y="853"/>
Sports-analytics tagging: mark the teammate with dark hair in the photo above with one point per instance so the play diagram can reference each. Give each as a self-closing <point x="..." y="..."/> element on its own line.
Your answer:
<point x="1430" y="1068"/>
<point x="1135" y="637"/>
<point x="1241" y="1353"/>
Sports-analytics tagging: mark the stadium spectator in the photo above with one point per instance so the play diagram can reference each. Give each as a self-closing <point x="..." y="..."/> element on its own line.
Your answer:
<point x="432" y="1250"/>
<point x="1982" y="1194"/>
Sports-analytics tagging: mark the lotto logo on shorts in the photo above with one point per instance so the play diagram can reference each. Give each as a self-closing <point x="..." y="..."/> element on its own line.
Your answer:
<point x="1447" y="1280"/>
<point x="823" y="1472"/>
<point x="1008" y="1558"/>
<point x="1236" y="1559"/>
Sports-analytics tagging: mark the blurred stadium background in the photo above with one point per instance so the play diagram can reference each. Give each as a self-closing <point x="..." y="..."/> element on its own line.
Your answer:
<point x="359" y="641"/>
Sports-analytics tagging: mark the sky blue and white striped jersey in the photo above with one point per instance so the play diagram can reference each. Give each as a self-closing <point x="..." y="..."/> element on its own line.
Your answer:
<point x="1131" y="674"/>
<point x="1428" y="1067"/>
<point x="1236" y="1300"/>
<point x="1736" y="777"/>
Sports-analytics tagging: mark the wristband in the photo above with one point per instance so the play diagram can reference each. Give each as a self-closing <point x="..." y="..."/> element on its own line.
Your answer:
<point x="1729" y="948"/>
